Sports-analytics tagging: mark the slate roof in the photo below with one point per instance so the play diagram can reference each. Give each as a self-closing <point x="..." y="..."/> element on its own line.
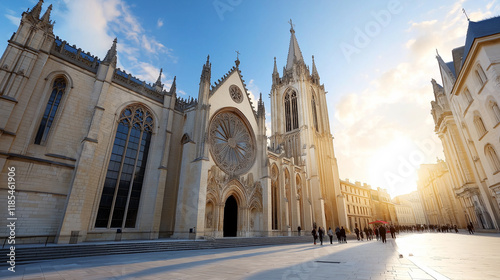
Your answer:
<point x="480" y="29"/>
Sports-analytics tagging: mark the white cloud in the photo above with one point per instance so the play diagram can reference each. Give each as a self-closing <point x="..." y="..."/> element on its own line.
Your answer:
<point x="159" y="23"/>
<point x="93" y="24"/>
<point x="393" y="111"/>
<point x="14" y="19"/>
<point x="253" y="90"/>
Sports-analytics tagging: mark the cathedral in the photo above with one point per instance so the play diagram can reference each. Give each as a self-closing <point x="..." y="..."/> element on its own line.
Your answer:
<point x="101" y="155"/>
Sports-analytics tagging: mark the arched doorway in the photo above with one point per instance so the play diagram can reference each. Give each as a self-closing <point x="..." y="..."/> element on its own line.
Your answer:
<point x="230" y="217"/>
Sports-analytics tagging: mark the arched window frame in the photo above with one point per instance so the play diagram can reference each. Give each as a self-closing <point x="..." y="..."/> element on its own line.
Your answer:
<point x="291" y="111"/>
<point x="467" y="97"/>
<point x="481" y="76"/>
<point x="288" y="115"/>
<point x="492" y="156"/>
<point x="295" y="111"/>
<point x="479" y="124"/>
<point x="126" y="169"/>
<point x="274" y="198"/>
<point x="59" y="88"/>
<point x="495" y="112"/>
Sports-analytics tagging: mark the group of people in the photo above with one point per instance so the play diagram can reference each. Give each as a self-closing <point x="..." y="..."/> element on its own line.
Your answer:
<point x="379" y="231"/>
<point x="319" y="232"/>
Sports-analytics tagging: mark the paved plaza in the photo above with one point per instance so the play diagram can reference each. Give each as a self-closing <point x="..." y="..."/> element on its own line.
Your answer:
<point x="424" y="256"/>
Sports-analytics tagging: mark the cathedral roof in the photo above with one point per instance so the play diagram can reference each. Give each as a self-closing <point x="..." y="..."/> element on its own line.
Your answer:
<point x="294" y="53"/>
<point x="480" y="29"/>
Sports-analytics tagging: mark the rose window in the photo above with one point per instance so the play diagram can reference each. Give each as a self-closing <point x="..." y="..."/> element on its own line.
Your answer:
<point x="231" y="143"/>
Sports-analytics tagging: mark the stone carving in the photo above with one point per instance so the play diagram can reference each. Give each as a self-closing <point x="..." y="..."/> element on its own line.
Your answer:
<point x="231" y="143"/>
<point x="236" y="94"/>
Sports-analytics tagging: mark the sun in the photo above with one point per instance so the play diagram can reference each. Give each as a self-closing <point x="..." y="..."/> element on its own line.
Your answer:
<point x="394" y="166"/>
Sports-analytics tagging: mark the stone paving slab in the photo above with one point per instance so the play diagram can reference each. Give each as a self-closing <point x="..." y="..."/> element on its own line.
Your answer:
<point x="435" y="256"/>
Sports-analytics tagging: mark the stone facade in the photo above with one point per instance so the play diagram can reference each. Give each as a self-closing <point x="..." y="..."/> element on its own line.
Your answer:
<point x="101" y="155"/>
<point x="467" y="119"/>
<point x="441" y="206"/>
<point x="358" y="202"/>
<point x="414" y="201"/>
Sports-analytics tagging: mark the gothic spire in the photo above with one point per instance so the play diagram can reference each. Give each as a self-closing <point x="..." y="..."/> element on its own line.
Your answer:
<point x="173" y="87"/>
<point x="314" y="74"/>
<point x="294" y="53"/>
<point x="275" y="71"/>
<point x="46" y="16"/>
<point x="261" y="110"/>
<point x="158" y="81"/>
<point x="35" y="12"/>
<point x="206" y="71"/>
<point x="111" y="55"/>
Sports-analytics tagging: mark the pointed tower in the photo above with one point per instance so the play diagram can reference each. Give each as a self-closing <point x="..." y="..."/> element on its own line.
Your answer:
<point x="28" y="50"/>
<point x="301" y="125"/>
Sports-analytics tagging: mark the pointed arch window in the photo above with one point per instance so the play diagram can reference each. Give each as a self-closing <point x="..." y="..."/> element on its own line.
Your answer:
<point x="288" y="117"/>
<point x="121" y="193"/>
<point x="468" y="97"/>
<point x="295" y="111"/>
<point x="274" y="198"/>
<point x="49" y="114"/>
<point x="495" y="111"/>
<point x="314" y="113"/>
<point x="481" y="76"/>
<point x="492" y="156"/>
<point x="480" y="128"/>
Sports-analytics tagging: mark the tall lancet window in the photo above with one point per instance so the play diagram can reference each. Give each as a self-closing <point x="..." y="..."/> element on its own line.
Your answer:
<point x="274" y="197"/>
<point x="123" y="184"/>
<point x="291" y="112"/>
<point x="493" y="158"/>
<point x="288" y="117"/>
<point x="314" y="113"/>
<point x="49" y="114"/>
<point x="295" y="112"/>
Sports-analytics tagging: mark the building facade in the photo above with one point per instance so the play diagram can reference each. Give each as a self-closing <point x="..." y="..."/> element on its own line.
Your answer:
<point x="441" y="206"/>
<point x="467" y="119"/>
<point x="382" y="206"/>
<point x="358" y="204"/>
<point x="101" y="155"/>
<point x="415" y="203"/>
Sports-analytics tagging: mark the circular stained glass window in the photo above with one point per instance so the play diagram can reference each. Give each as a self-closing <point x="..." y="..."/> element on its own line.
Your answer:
<point x="232" y="143"/>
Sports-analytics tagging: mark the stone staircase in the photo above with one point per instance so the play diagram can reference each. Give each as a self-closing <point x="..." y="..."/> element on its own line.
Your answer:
<point x="30" y="254"/>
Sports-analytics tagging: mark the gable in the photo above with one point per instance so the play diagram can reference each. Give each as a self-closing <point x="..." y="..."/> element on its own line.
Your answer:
<point x="221" y="97"/>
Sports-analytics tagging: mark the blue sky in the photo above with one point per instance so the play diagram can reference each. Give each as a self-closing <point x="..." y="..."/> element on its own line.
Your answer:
<point x="376" y="59"/>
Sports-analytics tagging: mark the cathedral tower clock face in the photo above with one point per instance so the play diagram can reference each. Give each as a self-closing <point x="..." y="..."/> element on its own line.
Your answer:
<point x="232" y="143"/>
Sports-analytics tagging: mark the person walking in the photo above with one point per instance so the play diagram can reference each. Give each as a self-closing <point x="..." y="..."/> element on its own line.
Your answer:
<point x="299" y="229"/>
<point x="343" y="237"/>
<point x="470" y="227"/>
<point x="393" y="232"/>
<point x="337" y="233"/>
<point x="383" y="231"/>
<point x="315" y="235"/>
<point x="321" y="233"/>
<point x="330" y="234"/>
<point x="356" y="230"/>
<point x="377" y="232"/>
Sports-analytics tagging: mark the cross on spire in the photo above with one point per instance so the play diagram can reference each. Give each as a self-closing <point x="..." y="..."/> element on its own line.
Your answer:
<point x="237" y="54"/>
<point x="465" y="13"/>
<point x="291" y="25"/>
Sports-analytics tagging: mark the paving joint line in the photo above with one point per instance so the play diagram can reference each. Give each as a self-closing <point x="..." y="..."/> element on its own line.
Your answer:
<point x="434" y="274"/>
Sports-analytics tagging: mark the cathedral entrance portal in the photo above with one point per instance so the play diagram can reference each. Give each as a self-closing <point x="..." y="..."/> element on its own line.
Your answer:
<point x="230" y="217"/>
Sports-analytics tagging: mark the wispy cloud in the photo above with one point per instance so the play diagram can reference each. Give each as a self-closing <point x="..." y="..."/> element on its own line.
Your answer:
<point x="381" y="125"/>
<point x="93" y="24"/>
<point x="10" y="15"/>
<point x="159" y="23"/>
